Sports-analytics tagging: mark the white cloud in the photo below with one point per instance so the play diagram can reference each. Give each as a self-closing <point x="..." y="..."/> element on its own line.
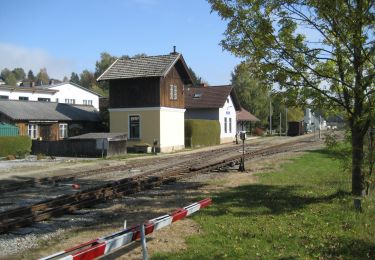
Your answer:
<point x="13" y="56"/>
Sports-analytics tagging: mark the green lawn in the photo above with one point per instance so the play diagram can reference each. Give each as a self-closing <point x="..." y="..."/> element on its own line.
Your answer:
<point x="303" y="211"/>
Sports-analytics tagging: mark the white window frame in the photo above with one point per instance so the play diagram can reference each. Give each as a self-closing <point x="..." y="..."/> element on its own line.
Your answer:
<point x="63" y="130"/>
<point x="70" y="101"/>
<point x="139" y="126"/>
<point x="87" y="102"/>
<point x="32" y="131"/>
<point x="172" y="92"/>
<point x="230" y="125"/>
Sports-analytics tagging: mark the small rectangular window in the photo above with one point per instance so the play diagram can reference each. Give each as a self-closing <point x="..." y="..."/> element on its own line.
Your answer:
<point x="171" y="92"/>
<point x="134" y="127"/>
<point x="44" y="99"/>
<point x="57" y="100"/>
<point x="87" y="102"/>
<point x="63" y="130"/>
<point x="32" y="131"/>
<point x="70" y="101"/>
<point x="230" y="125"/>
<point x="225" y="125"/>
<point x="174" y="92"/>
<point x="4" y="97"/>
<point x="23" y="98"/>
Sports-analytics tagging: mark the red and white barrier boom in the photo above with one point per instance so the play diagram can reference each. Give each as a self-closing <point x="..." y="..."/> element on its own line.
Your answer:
<point x="104" y="245"/>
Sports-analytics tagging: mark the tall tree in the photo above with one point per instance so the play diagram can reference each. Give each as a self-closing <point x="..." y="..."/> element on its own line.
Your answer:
<point x="253" y="95"/>
<point x="320" y="48"/>
<point x="87" y="79"/>
<point x="19" y="73"/>
<point x="74" y="78"/>
<point x="30" y="75"/>
<point x="196" y="79"/>
<point x="42" y="77"/>
<point x="9" y="77"/>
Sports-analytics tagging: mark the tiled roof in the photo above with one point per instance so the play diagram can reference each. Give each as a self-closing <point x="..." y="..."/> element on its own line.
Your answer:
<point x="208" y="97"/>
<point x="244" y="115"/>
<point x="47" y="111"/>
<point x="151" y="66"/>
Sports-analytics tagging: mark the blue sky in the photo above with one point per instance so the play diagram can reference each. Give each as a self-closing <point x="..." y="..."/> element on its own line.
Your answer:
<point x="69" y="35"/>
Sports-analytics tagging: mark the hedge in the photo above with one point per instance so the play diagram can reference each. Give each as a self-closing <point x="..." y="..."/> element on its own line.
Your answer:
<point x="15" y="145"/>
<point x="200" y="132"/>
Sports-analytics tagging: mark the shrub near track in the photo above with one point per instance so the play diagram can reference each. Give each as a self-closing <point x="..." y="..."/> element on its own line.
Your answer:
<point x="303" y="211"/>
<point x="15" y="145"/>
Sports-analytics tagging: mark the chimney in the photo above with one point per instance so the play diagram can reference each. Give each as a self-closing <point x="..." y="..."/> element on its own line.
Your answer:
<point x="174" y="50"/>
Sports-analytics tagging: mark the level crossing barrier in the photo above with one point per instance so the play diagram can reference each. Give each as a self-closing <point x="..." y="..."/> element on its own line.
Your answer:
<point x="105" y="245"/>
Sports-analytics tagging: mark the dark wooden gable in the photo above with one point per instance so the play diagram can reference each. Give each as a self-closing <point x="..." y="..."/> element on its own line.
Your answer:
<point x="150" y="91"/>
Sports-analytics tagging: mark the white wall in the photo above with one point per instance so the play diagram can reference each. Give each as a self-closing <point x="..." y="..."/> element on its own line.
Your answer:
<point x="228" y="111"/>
<point x="172" y="128"/>
<point x="14" y="95"/>
<point x="69" y="91"/>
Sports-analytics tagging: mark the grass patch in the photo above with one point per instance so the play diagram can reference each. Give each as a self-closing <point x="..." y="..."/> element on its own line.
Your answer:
<point x="302" y="211"/>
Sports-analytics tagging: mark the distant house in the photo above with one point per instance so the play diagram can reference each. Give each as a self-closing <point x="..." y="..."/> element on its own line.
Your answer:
<point x="244" y="117"/>
<point x="2" y="81"/>
<point x="146" y="99"/>
<point x="313" y="121"/>
<point x="49" y="121"/>
<point x="214" y="103"/>
<point x="65" y="92"/>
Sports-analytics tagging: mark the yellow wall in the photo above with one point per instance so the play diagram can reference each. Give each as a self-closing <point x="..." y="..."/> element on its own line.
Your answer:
<point x="149" y="125"/>
<point x="164" y="124"/>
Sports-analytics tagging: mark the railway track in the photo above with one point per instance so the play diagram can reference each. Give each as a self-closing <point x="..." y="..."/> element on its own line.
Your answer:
<point x="203" y="162"/>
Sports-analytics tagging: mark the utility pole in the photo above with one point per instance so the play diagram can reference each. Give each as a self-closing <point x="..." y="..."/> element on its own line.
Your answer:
<point x="270" y="116"/>
<point x="280" y="125"/>
<point x="286" y="121"/>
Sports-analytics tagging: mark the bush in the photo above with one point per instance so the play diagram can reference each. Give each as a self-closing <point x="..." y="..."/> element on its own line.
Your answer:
<point x="201" y="132"/>
<point x="15" y="145"/>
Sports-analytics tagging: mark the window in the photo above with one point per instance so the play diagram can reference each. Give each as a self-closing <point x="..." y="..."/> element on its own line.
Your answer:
<point x="57" y="100"/>
<point x="87" y="102"/>
<point x="134" y="125"/>
<point x="44" y="99"/>
<point x="225" y="125"/>
<point x="227" y="100"/>
<point x="197" y="95"/>
<point x="32" y="131"/>
<point x="4" y="97"/>
<point x="230" y="125"/>
<point x="173" y="92"/>
<point x="70" y="101"/>
<point x="63" y="130"/>
<point x="23" y="98"/>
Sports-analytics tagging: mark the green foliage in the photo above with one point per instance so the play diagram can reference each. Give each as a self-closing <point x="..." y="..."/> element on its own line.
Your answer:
<point x="252" y="93"/>
<point x="302" y="211"/>
<point x="87" y="79"/>
<point x="30" y="75"/>
<point x="42" y="77"/>
<point x="74" y="78"/>
<point x="201" y="132"/>
<point x="321" y="51"/>
<point x="15" y="145"/>
<point x="196" y="79"/>
<point x="19" y="73"/>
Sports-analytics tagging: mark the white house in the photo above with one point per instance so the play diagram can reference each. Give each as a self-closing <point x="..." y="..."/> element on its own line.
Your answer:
<point x="65" y="92"/>
<point x="214" y="103"/>
<point x="313" y="121"/>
